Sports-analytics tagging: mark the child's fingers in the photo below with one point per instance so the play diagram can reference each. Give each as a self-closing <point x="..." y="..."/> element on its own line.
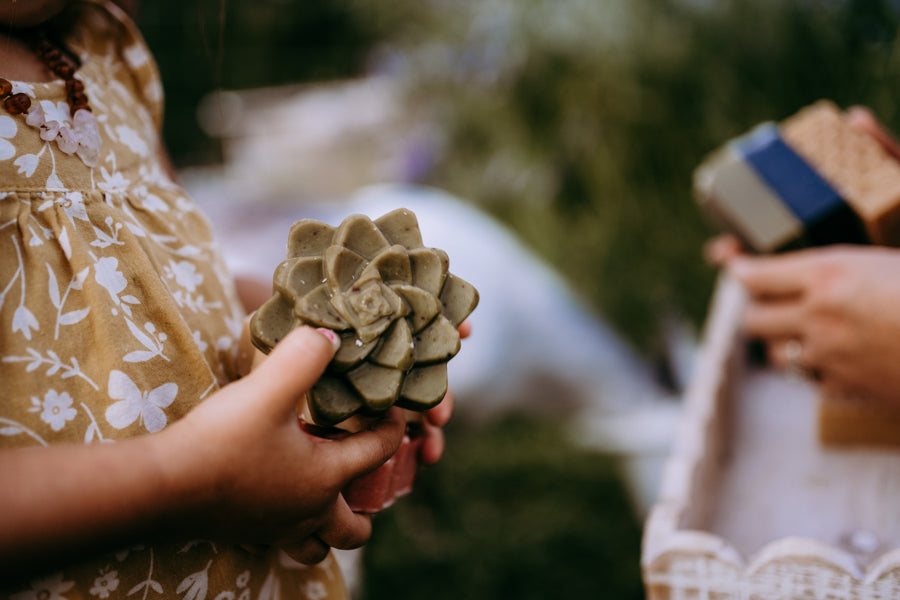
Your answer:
<point x="295" y="364"/>
<point x="440" y="414"/>
<point x="365" y="451"/>
<point x="432" y="446"/>
<point x="345" y="529"/>
<point x="310" y="551"/>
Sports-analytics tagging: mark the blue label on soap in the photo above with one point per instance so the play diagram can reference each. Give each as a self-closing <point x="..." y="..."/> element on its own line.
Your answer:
<point x="826" y="217"/>
<point x="802" y="189"/>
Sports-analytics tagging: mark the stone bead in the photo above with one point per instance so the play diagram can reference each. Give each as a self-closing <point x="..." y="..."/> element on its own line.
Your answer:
<point x="17" y="104"/>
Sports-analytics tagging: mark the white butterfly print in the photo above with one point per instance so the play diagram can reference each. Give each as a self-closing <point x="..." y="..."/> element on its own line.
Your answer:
<point x="134" y="403"/>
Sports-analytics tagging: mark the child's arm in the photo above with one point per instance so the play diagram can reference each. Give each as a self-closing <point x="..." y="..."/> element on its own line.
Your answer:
<point x="237" y="468"/>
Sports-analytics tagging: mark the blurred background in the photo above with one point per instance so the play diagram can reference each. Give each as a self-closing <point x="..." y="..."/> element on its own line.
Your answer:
<point x="562" y="135"/>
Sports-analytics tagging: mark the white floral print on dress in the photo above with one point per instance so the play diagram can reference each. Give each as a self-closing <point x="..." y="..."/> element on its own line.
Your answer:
<point x="8" y="129"/>
<point x="48" y="588"/>
<point x="56" y="409"/>
<point x="185" y="274"/>
<point x="105" y="583"/>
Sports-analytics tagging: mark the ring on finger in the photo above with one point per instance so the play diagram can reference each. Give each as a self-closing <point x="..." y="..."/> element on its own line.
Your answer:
<point x="793" y="354"/>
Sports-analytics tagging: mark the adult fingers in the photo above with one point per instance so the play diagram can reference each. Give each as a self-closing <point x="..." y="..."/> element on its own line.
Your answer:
<point x="864" y="120"/>
<point x="366" y="450"/>
<point x="784" y="275"/>
<point x="720" y="250"/>
<point x="771" y="320"/>
<point x="295" y="364"/>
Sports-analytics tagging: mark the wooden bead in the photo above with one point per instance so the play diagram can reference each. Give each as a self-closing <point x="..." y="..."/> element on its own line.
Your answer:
<point x="64" y="69"/>
<point x="74" y="85"/>
<point x="17" y="104"/>
<point x="77" y="100"/>
<point x="50" y="54"/>
<point x="5" y="88"/>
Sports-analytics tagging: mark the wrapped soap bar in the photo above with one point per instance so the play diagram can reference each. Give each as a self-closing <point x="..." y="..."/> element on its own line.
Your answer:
<point x="811" y="180"/>
<point x="393" y="301"/>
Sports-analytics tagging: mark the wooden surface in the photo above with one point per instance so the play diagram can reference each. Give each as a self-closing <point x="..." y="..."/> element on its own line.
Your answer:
<point x="751" y="505"/>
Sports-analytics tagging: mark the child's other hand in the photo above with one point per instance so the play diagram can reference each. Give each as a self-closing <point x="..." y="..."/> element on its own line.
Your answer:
<point x="250" y="475"/>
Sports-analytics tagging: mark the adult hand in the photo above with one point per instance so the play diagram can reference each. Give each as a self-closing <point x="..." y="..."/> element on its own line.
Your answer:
<point x="839" y="304"/>
<point x="251" y="475"/>
<point x="833" y="311"/>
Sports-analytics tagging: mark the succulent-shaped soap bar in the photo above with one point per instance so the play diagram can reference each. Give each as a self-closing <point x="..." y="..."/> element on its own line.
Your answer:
<point x="393" y="301"/>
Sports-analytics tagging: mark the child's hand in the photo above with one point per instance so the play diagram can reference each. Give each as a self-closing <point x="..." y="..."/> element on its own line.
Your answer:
<point x="251" y="475"/>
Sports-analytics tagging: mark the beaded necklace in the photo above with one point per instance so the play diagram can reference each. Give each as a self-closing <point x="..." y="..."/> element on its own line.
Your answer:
<point x="82" y="137"/>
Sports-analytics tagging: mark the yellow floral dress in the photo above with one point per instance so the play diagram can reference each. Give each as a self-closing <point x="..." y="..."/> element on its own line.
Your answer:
<point x="117" y="314"/>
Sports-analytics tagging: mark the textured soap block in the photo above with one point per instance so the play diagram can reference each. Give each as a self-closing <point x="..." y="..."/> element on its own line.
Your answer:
<point x="856" y="165"/>
<point x="846" y="421"/>
<point x="392" y="300"/>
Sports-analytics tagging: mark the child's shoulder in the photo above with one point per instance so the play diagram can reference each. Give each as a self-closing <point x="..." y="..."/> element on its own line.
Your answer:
<point x="101" y="29"/>
<point x="97" y="23"/>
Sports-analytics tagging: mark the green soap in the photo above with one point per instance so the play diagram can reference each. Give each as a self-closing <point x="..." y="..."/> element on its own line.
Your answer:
<point x="393" y="302"/>
<point x="424" y="387"/>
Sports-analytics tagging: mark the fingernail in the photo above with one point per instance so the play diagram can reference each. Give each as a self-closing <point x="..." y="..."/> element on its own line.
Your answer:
<point x="332" y="337"/>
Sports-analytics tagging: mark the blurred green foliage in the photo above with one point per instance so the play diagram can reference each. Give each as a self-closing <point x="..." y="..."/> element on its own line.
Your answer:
<point x="580" y="122"/>
<point x="577" y="122"/>
<point x="204" y="45"/>
<point x="512" y="511"/>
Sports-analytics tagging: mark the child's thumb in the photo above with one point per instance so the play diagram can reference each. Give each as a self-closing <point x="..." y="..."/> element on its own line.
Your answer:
<point x="296" y="363"/>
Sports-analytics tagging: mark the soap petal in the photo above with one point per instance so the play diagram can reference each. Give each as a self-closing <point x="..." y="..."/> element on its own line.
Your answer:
<point x="342" y="268"/>
<point x="392" y="265"/>
<point x="378" y="386"/>
<point x="309" y="237"/>
<point x="423" y="306"/>
<point x="424" y="387"/>
<point x="401" y="227"/>
<point x="359" y="233"/>
<point x="397" y="349"/>
<point x="459" y="298"/>
<point x="331" y="401"/>
<point x="429" y="269"/>
<point x="439" y="342"/>
<point x="352" y="351"/>
<point x="271" y="322"/>
<point x="316" y="309"/>
<point x="296" y="277"/>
